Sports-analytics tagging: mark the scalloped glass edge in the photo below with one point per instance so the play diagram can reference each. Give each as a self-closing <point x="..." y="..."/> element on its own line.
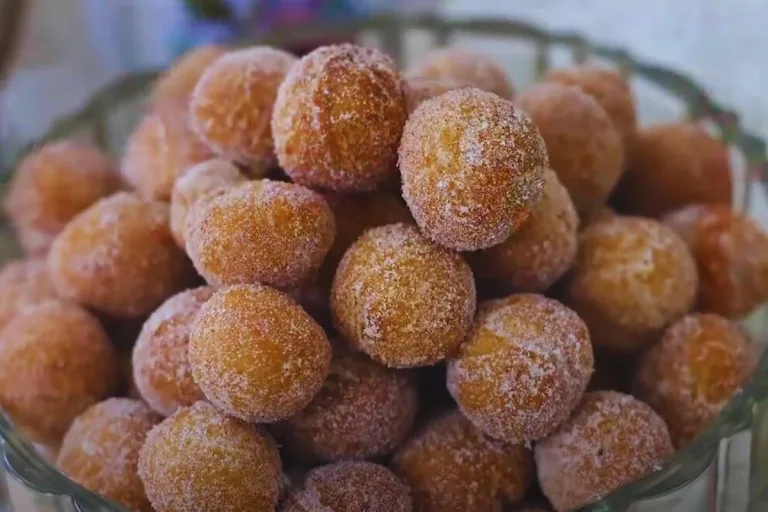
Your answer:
<point x="747" y="410"/>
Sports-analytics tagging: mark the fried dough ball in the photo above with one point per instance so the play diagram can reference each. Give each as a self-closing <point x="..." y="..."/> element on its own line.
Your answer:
<point x="611" y="90"/>
<point x="101" y="450"/>
<point x="604" y="213"/>
<point x="24" y="283"/>
<point x="350" y="486"/>
<point x="541" y="251"/>
<point x="196" y="183"/>
<point x="418" y="90"/>
<point x="159" y="150"/>
<point x="472" y="167"/>
<point x="401" y="299"/>
<point x="632" y="278"/>
<point x="55" y="362"/>
<point x="200" y="460"/>
<point x="452" y="467"/>
<point x="355" y="214"/>
<point x="731" y="253"/>
<point x="692" y="373"/>
<point x="232" y="104"/>
<point x="674" y="165"/>
<point x="610" y="440"/>
<point x="54" y="184"/>
<point x="261" y="231"/>
<point x="364" y="410"/>
<point x="338" y="119"/>
<point x="160" y="366"/>
<point x="177" y="82"/>
<point x="465" y="67"/>
<point x="118" y="257"/>
<point x="256" y="354"/>
<point x="523" y="368"/>
<point x="585" y="149"/>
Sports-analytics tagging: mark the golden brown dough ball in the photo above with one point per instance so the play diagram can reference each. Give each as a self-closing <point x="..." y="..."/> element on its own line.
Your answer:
<point x="160" y="365"/>
<point x="364" y="410"/>
<point x="200" y="460"/>
<point x="674" y="165"/>
<point x="604" y="213"/>
<point x="261" y="231"/>
<point x="54" y="184"/>
<point x="731" y="253"/>
<point x="24" y="283"/>
<point x="55" y="362"/>
<point x="693" y="371"/>
<point x="159" y="150"/>
<point x="523" y="368"/>
<point x="196" y="183"/>
<point x="101" y="450"/>
<point x="232" y="104"/>
<point x="541" y="251"/>
<point x="177" y="82"/>
<point x="472" y="167"/>
<point x="418" y="90"/>
<point x="632" y="278"/>
<point x="338" y="119"/>
<point x="256" y="354"/>
<point x="611" y="90"/>
<point x="355" y="214"/>
<point x="401" y="299"/>
<point x="466" y="67"/>
<point x="452" y="467"/>
<point x="349" y="486"/>
<point x="119" y="257"/>
<point x="610" y="440"/>
<point x="584" y="147"/>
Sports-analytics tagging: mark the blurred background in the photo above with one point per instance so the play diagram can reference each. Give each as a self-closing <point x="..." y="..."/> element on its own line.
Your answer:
<point x="68" y="48"/>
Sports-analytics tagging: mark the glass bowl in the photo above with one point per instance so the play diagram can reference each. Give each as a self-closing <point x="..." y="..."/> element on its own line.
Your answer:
<point x="724" y="470"/>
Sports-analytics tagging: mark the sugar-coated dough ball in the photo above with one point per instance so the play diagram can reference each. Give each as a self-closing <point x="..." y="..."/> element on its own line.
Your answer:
<point x="611" y="90"/>
<point x="610" y="440"/>
<point x="523" y="368"/>
<point x="24" y="283"/>
<point x="52" y="185"/>
<point x="541" y="251"/>
<point x="584" y="147"/>
<point x="693" y="371"/>
<point x="355" y="214"/>
<point x="731" y="253"/>
<point x="674" y="165"/>
<point x="161" y="368"/>
<point x="256" y="354"/>
<point x="197" y="182"/>
<point x="232" y="104"/>
<point x="177" y="82"/>
<point x="55" y="362"/>
<point x="200" y="460"/>
<point x="349" y="486"/>
<point x="401" y="299"/>
<point x="472" y="167"/>
<point x="262" y="231"/>
<point x="159" y="150"/>
<point x="118" y="257"/>
<point x="418" y="90"/>
<point x="632" y="277"/>
<point x="101" y="450"/>
<point x="364" y="410"/>
<point x="473" y="69"/>
<point x="452" y="467"/>
<point x="338" y="119"/>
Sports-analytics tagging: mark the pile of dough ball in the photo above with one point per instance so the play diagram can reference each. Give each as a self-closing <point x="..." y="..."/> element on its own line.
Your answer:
<point x="321" y="284"/>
